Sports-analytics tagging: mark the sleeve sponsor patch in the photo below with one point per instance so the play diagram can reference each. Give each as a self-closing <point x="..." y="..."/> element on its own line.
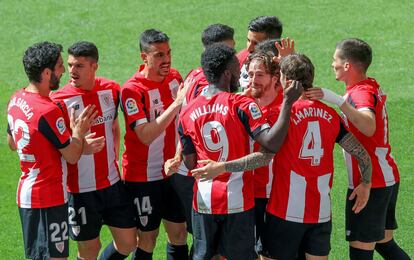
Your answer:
<point x="255" y="111"/>
<point x="131" y="106"/>
<point x="60" y="125"/>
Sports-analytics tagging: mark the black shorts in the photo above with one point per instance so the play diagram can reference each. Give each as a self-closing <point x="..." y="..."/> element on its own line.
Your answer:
<point x="88" y="211"/>
<point x="283" y="239"/>
<point x="154" y="201"/>
<point x="370" y="224"/>
<point x="45" y="232"/>
<point x="231" y="236"/>
<point x="183" y="185"/>
<point x="259" y="218"/>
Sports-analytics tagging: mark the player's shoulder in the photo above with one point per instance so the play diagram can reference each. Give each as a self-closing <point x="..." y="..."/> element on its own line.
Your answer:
<point x="175" y="74"/>
<point x="369" y="85"/>
<point x="63" y="92"/>
<point x="105" y="83"/>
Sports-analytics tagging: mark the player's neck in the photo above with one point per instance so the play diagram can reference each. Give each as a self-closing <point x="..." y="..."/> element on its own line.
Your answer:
<point x="88" y="86"/>
<point x="152" y="75"/>
<point x="212" y="90"/>
<point x="354" y="79"/>
<point x="42" y="90"/>
<point x="267" y="98"/>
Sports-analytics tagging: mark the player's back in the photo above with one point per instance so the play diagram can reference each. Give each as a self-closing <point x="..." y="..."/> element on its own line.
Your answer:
<point x="220" y="128"/>
<point x="34" y="121"/>
<point x="303" y="167"/>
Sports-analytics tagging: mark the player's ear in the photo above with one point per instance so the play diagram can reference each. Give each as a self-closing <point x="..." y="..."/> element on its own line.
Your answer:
<point x="347" y="65"/>
<point x="46" y="74"/>
<point x="144" y="57"/>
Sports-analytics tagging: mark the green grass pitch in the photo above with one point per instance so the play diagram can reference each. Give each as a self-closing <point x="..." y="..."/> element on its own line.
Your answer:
<point x="315" y="25"/>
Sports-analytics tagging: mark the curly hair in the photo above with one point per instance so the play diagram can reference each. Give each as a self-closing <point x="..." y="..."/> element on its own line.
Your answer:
<point x="298" y="67"/>
<point x="38" y="57"/>
<point x="271" y="66"/>
<point x="215" y="60"/>
<point x="84" y="49"/>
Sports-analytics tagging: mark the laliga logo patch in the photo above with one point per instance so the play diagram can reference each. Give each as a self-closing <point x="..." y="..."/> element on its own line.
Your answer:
<point x="60" y="125"/>
<point x="131" y="106"/>
<point x="76" y="230"/>
<point x="60" y="246"/>
<point x="143" y="220"/>
<point x="255" y="111"/>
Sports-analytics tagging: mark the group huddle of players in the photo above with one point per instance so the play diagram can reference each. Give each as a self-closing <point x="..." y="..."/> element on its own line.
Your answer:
<point x="239" y="154"/>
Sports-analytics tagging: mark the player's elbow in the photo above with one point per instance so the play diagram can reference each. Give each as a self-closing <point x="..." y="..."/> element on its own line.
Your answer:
<point x="369" y="130"/>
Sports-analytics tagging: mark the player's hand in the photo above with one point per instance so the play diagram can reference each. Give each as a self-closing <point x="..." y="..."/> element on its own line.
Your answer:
<point x="361" y="196"/>
<point x="314" y="93"/>
<point x="247" y="91"/>
<point x="210" y="170"/>
<point x="182" y="90"/>
<point x="93" y="145"/>
<point x="84" y="121"/>
<point x="171" y="166"/>
<point x="286" y="47"/>
<point x="293" y="92"/>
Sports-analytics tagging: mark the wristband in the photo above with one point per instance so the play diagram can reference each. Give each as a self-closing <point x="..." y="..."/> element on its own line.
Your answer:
<point x="332" y="97"/>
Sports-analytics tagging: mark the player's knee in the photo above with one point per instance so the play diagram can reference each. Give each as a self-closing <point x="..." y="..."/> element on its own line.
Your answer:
<point x="178" y="236"/>
<point x="147" y="240"/>
<point x="89" y="249"/>
<point x="126" y="246"/>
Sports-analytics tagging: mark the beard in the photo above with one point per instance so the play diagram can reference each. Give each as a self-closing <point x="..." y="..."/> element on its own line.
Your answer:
<point x="260" y="92"/>
<point x="54" y="82"/>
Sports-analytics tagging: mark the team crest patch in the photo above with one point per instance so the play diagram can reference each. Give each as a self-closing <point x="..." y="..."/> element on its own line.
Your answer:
<point x="60" y="246"/>
<point x="143" y="220"/>
<point x="131" y="106"/>
<point x="60" y="125"/>
<point x="76" y="230"/>
<point x="255" y="111"/>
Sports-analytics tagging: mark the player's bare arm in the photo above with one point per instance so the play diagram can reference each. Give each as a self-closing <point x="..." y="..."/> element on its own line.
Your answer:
<point x="11" y="143"/>
<point x="80" y="126"/>
<point x="116" y="130"/>
<point x="148" y="132"/>
<point x="361" y="192"/>
<point x="363" y="120"/>
<point x="273" y="139"/>
<point x="251" y="161"/>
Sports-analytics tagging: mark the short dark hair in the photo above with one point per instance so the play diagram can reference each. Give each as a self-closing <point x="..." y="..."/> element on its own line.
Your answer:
<point x="298" y="67"/>
<point x="270" y="25"/>
<point x="356" y="51"/>
<point x="268" y="46"/>
<point x="149" y="37"/>
<point x="217" y="33"/>
<point x="84" y="49"/>
<point x="271" y="66"/>
<point x="40" y="56"/>
<point x="215" y="60"/>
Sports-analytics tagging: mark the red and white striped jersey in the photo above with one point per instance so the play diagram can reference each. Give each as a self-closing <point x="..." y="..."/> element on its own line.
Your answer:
<point x="196" y="89"/>
<point x="143" y="101"/>
<point x="200" y="83"/>
<point x="38" y="130"/>
<point x="367" y="95"/>
<point x="220" y="128"/>
<point x="99" y="170"/>
<point x="263" y="176"/>
<point x="303" y="167"/>
<point x="244" y="75"/>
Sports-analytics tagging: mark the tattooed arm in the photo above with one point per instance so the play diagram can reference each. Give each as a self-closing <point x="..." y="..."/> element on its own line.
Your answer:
<point x="249" y="162"/>
<point x="361" y="192"/>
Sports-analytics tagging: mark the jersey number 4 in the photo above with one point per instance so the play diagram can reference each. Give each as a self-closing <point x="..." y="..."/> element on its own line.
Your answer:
<point x="312" y="144"/>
